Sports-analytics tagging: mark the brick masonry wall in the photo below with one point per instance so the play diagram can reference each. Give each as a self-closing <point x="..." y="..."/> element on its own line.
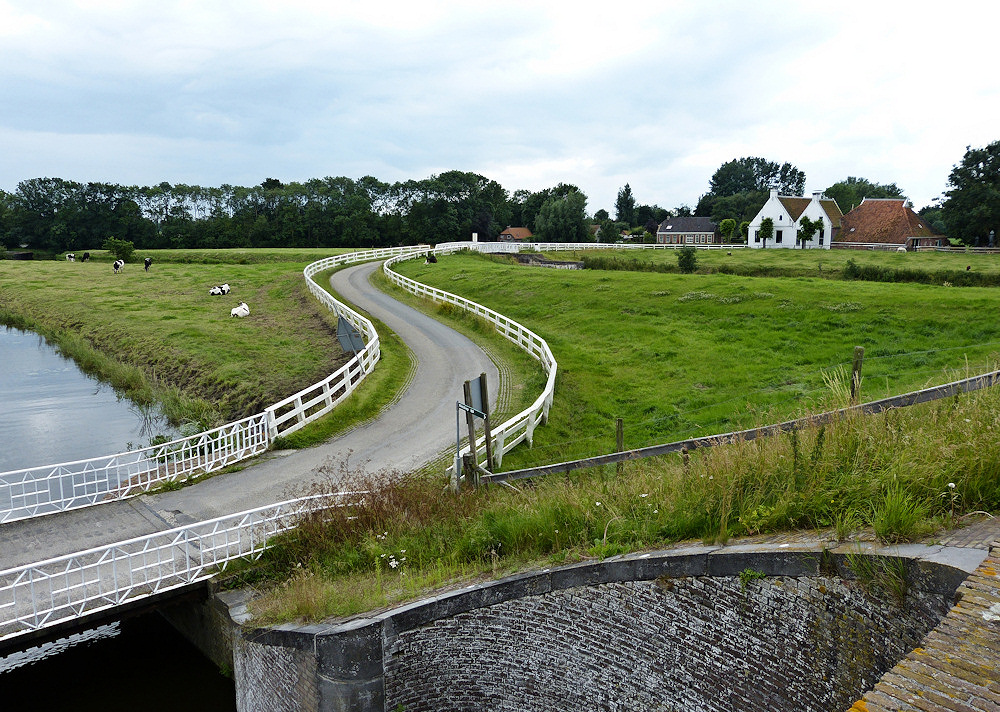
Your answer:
<point x="694" y="643"/>
<point x="656" y="631"/>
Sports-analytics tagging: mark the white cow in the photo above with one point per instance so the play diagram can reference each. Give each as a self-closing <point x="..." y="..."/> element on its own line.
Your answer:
<point x="241" y="310"/>
<point x="900" y="249"/>
<point x="118" y="266"/>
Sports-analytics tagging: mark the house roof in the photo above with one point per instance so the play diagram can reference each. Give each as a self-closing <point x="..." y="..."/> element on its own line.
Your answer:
<point x="832" y="211"/>
<point x="883" y="220"/>
<point x="794" y="206"/>
<point x="687" y="224"/>
<point x="516" y="233"/>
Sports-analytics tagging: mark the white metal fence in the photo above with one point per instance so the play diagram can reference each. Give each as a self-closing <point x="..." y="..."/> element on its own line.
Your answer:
<point x="36" y="491"/>
<point x="51" y="592"/>
<point x="521" y="427"/>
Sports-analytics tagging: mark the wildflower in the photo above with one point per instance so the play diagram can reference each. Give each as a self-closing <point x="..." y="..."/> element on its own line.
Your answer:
<point x="951" y="485"/>
<point x="645" y="494"/>
<point x="393" y="563"/>
<point x="598" y="504"/>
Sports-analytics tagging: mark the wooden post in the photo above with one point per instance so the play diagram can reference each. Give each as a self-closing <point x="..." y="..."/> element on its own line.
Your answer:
<point x="859" y="357"/>
<point x="486" y="426"/>
<point x="620" y="441"/>
<point x="470" y="421"/>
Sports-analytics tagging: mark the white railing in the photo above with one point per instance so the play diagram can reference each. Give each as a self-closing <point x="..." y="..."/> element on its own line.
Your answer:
<point x="51" y="592"/>
<point x="36" y="491"/>
<point x="521" y="427"/>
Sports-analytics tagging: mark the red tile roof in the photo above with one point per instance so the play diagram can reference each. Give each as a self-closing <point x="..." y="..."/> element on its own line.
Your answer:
<point x="516" y="233"/>
<point x="886" y="220"/>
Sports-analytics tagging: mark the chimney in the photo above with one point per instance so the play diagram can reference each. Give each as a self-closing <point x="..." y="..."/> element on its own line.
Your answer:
<point x="817" y="195"/>
<point x="774" y="192"/>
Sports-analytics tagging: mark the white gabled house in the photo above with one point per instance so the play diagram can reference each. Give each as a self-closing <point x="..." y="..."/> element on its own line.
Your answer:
<point x="786" y="211"/>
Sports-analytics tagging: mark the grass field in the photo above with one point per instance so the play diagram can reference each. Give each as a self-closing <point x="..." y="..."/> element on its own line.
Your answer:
<point x="168" y="340"/>
<point x="678" y="356"/>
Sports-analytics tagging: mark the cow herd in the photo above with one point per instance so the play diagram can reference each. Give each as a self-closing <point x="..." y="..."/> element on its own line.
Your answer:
<point x="240" y="310"/>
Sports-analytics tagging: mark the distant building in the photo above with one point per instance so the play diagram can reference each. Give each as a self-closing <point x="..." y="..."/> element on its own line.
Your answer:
<point x="886" y="223"/>
<point x="515" y="234"/>
<point x="786" y="211"/>
<point x="688" y="231"/>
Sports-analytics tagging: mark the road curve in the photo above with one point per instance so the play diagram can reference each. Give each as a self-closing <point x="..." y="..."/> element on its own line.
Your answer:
<point x="412" y="431"/>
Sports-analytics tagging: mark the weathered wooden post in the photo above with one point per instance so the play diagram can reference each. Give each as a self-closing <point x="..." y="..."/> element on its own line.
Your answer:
<point x="470" y="420"/>
<point x="486" y="420"/>
<point x="859" y="357"/>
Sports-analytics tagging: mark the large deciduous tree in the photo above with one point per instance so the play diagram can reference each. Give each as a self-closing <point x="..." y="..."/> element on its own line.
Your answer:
<point x="752" y="173"/>
<point x="852" y="190"/>
<point x="972" y="204"/>
<point x="563" y="219"/>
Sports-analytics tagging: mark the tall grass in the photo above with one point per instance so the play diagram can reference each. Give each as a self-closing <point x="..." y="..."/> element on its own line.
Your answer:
<point x="888" y="470"/>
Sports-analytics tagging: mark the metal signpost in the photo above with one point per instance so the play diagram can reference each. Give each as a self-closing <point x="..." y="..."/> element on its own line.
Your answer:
<point x="476" y="405"/>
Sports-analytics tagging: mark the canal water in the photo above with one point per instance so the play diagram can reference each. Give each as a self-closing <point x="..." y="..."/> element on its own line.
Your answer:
<point x="51" y="412"/>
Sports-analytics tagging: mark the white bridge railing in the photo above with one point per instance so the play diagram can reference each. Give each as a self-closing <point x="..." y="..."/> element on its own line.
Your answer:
<point x="36" y="491"/>
<point x="58" y="590"/>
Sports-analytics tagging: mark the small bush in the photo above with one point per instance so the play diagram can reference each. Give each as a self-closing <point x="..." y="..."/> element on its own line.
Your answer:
<point x="121" y="249"/>
<point x="687" y="259"/>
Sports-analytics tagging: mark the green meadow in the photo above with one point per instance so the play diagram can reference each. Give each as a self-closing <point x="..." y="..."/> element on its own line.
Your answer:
<point x="158" y="335"/>
<point x="679" y="356"/>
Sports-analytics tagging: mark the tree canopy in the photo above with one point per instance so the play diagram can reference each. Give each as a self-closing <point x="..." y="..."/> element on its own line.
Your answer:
<point x="563" y="218"/>
<point x="851" y="191"/>
<point x="972" y="204"/>
<point x="625" y="206"/>
<point x="742" y="175"/>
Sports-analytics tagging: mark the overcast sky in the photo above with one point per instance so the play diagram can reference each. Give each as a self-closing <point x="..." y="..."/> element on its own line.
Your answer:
<point x="655" y="94"/>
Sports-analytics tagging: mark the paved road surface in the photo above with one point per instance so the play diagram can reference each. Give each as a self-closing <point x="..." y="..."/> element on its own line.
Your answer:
<point x="412" y="431"/>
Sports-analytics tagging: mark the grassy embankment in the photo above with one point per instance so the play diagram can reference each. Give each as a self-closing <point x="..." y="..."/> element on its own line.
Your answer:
<point x="159" y="336"/>
<point x="679" y="355"/>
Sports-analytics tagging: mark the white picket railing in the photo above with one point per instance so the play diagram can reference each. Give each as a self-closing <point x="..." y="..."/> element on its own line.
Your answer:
<point x="521" y="427"/>
<point x="36" y="491"/>
<point x="51" y="592"/>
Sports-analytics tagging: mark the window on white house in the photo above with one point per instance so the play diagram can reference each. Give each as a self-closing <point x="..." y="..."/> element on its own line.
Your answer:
<point x="821" y="234"/>
<point x="756" y="235"/>
<point x="777" y="236"/>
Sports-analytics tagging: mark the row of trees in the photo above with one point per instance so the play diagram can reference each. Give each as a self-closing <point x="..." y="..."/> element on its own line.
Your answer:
<point x="56" y="215"/>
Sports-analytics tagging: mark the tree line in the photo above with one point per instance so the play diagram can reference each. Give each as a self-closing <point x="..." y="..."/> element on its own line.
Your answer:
<point x="56" y="215"/>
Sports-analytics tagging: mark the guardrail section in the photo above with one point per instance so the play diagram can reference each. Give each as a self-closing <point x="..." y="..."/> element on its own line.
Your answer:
<point x="50" y="592"/>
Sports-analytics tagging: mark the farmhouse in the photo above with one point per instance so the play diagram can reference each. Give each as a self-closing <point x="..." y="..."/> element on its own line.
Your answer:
<point x="515" y="234"/>
<point x="688" y="231"/>
<point x="787" y="211"/>
<point x="886" y="224"/>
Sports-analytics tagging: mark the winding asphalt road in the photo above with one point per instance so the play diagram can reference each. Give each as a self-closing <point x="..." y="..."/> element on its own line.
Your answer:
<point x="412" y="431"/>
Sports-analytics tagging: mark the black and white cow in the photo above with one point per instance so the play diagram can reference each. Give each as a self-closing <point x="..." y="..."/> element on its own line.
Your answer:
<point x="148" y="261"/>
<point x="86" y="256"/>
<point x="219" y="290"/>
<point x="70" y="257"/>
<point x="118" y="266"/>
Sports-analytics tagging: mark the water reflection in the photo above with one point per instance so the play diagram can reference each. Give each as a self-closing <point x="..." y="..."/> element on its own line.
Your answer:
<point x="53" y="412"/>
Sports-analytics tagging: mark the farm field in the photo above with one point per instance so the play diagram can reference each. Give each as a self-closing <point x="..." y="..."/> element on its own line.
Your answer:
<point x="680" y="356"/>
<point x="169" y="340"/>
<point x="931" y="267"/>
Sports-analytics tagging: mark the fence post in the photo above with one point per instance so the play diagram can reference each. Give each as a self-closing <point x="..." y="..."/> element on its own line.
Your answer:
<point x="620" y="441"/>
<point x="859" y="357"/>
<point x="470" y="421"/>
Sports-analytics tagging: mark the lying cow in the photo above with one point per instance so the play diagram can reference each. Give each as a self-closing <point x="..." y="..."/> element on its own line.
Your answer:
<point x="219" y="290"/>
<point x="240" y="310"/>
<point x="118" y="266"/>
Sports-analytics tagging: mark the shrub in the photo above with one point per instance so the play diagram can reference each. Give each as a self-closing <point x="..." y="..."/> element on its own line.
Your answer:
<point x="687" y="259"/>
<point x="121" y="249"/>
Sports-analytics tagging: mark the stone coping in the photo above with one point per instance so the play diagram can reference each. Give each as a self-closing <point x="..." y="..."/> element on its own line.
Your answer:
<point x="930" y="568"/>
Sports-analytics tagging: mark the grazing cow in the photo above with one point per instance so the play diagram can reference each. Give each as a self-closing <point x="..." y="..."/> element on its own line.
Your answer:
<point x="240" y="310"/>
<point x="70" y="257"/>
<point x="147" y="262"/>
<point x="118" y="266"/>
<point x="86" y="256"/>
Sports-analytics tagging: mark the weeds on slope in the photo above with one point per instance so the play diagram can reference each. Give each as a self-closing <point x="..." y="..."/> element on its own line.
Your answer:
<point x="903" y="473"/>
